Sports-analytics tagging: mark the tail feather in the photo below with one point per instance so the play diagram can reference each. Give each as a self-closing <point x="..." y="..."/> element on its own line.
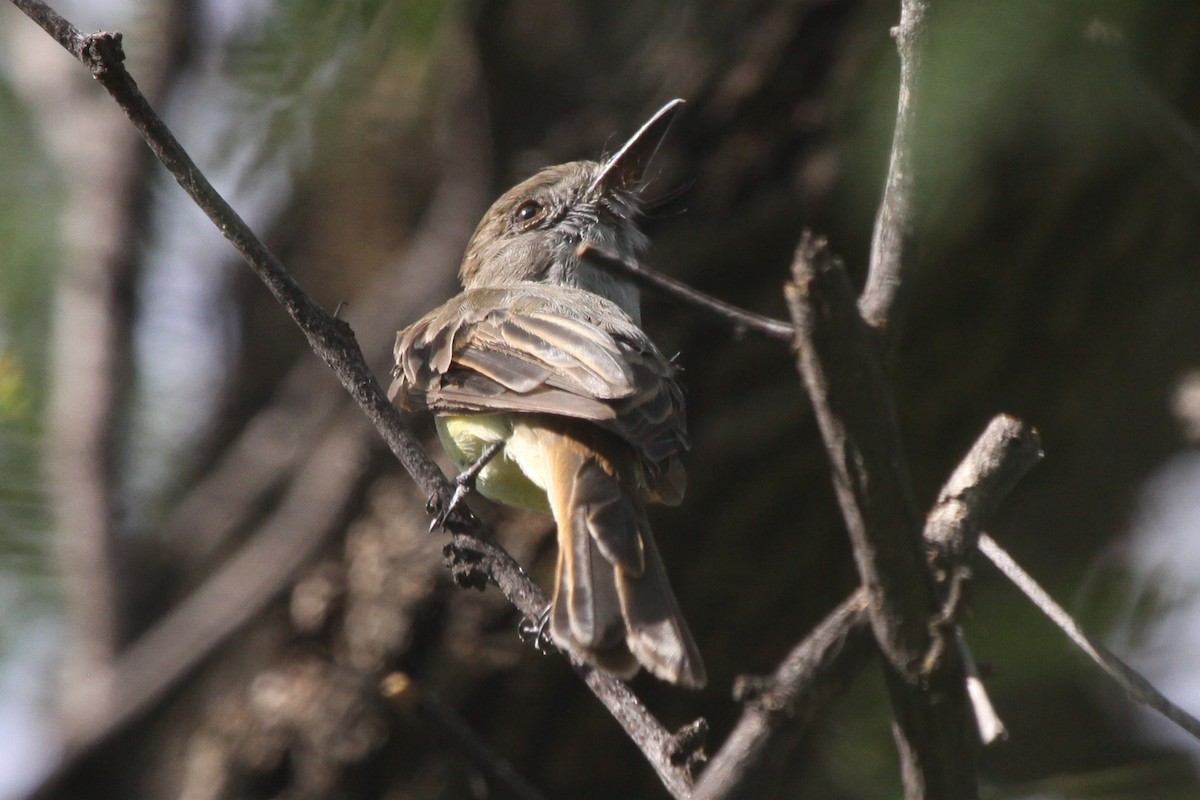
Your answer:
<point x="610" y="516"/>
<point x="657" y="635"/>
<point x="613" y="605"/>
<point x="593" y="604"/>
<point x="609" y="653"/>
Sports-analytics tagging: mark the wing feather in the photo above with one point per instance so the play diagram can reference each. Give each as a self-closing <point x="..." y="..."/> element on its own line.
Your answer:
<point x="587" y="346"/>
<point x="485" y="397"/>
<point x="551" y="350"/>
<point x="516" y="374"/>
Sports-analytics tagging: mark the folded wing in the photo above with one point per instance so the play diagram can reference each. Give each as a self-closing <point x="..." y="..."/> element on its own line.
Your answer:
<point x="552" y="350"/>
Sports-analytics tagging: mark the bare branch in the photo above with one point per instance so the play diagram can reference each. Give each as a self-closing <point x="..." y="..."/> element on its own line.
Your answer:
<point x="331" y="339"/>
<point x="260" y="459"/>
<point x="845" y="379"/>
<point x="846" y="383"/>
<point x="818" y="668"/>
<point x="882" y="301"/>
<point x="822" y="664"/>
<point x="742" y="321"/>
<point x="1134" y="684"/>
<point x="475" y="563"/>
<point x="1005" y="451"/>
<point x="318" y="473"/>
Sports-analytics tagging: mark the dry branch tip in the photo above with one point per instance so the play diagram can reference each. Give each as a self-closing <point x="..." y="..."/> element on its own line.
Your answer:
<point x="687" y="745"/>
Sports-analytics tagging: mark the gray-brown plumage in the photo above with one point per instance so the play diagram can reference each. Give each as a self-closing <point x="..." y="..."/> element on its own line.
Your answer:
<point x="542" y="352"/>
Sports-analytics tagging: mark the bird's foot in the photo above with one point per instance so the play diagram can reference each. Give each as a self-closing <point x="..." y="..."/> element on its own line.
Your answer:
<point x="537" y="629"/>
<point x="464" y="483"/>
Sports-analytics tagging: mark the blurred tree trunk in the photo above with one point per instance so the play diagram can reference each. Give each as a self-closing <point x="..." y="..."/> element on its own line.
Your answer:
<point x="1056" y="283"/>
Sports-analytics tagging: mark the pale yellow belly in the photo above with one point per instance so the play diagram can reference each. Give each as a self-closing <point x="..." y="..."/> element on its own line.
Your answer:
<point x="514" y="476"/>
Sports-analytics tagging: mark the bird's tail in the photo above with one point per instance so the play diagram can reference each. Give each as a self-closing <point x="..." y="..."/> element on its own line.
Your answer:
<point x="613" y="606"/>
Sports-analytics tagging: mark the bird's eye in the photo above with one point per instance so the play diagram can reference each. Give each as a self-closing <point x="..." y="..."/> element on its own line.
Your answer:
<point x="529" y="211"/>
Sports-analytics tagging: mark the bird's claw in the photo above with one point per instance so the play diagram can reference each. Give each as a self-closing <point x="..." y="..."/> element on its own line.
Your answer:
<point x="537" y="630"/>
<point x="464" y="484"/>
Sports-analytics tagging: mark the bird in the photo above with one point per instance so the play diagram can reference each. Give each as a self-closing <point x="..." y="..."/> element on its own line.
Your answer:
<point x="549" y="396"/>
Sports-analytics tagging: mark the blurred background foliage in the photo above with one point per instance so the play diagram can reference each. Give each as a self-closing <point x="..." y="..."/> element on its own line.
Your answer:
<point x="1060" y="191"/>
<point x="28" y="229"/>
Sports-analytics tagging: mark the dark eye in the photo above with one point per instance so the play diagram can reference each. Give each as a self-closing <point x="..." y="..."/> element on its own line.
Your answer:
<point x="529" y="211"/>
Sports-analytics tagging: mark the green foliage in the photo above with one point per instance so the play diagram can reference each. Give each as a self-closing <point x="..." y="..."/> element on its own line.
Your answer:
<point x="1023" y="74"/>
<point x="28" y="248"/>
<point x="29" y="206"/>
<point x="313" y="60"/>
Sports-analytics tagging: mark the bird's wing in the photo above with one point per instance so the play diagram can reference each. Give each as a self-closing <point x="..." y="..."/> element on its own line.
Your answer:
<point x="490" y="351"/>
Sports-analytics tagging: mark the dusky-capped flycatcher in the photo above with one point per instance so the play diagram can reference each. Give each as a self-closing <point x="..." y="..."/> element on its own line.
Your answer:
<point x="540" y="367"/>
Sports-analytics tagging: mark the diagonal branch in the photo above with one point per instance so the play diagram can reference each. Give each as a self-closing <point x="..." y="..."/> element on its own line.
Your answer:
<point x="334" y="342"/>
<point x="320" y="476"/>
<point x="1005" y="451"/>
<point x="775" y="717"/>
<point x="828" y="658"/>
<point x="742" y="321"/>
<point x="1136" y="686"/>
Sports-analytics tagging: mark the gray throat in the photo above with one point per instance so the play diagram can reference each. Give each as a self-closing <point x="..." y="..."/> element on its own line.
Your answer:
<point x="573" y="272"/>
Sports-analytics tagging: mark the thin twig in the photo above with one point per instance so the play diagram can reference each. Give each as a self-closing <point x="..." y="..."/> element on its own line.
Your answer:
<point x="1136" y="686"/>
<point x="936" y="749"/>
<point x="742" y="321"/>
<point x="259" y="459"/>
<point x="882" y="301"/>
<point x="331" y="339"/>
<point x="991" y="727"/>
<point x="319" y="477"/>
<point x="847" y="385"/>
